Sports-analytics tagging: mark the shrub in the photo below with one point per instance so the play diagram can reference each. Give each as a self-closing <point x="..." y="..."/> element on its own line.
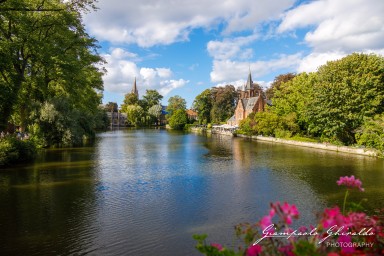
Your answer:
<point x="13" y="150"/>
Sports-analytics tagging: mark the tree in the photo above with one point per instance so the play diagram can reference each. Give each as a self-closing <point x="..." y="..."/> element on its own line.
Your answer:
<point x="152" y="97"/>
<point x="203" y="106"/>
<point x="275" y="86"/>
<point x="46" y="55"/>
<point x="347" y="90"/>
<point x="111" y="107"/>
<point x="135" y="115"/>
<point x="179" y="119"/>
<point x="155" y="112"/>
<point x="130" y="99"/>
<point x="224" y="103"/>
<point x="371" y="133"/>
<point x="175" y="103"/>
<point x="294" y="96"/>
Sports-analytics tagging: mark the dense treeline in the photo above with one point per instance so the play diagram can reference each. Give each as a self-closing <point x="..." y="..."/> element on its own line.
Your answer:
<point x="341" y="103"/>
<point x="50" y="75"/>
<point x="215" y="105"/>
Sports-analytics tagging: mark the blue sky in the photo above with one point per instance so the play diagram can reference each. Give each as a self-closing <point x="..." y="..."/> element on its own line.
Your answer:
<point x="182" y="47"/>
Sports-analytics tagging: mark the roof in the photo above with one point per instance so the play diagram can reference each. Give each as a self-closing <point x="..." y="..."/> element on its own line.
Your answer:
<point x="190" y="112"/>
<point x="233" y="118"/>
<point x="249" y="84"/>
<point x="249" y="103"/>
<point x="134" y="88"/>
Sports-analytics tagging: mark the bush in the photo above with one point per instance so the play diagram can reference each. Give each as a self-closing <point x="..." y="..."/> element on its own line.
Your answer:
<point x="178" y="119"/>
<point x="13" y="150"/>
<point x="284" y="134"/>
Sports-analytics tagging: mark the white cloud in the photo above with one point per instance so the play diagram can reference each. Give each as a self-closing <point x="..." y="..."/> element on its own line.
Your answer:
<point x="168" y="85"/>
<point x="311" y="62"/>
<point x="153" y="22"/>
<point x="122" y="70"/>
<point x="339" y="25"/>
<point x="227" y="70"/>
<point x="231" y="48"/>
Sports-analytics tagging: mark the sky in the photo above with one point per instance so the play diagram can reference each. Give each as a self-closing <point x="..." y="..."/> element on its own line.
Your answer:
<point x="182" y="47"/>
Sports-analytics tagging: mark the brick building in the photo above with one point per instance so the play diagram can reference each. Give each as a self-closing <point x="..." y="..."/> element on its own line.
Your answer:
<point x="251" y="100"/>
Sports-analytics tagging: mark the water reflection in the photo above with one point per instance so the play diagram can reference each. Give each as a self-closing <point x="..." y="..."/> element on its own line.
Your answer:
<point x="145" y="192"/>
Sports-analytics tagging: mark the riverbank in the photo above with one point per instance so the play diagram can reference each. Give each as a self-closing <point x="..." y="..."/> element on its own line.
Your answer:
<point x="323" y="146"/>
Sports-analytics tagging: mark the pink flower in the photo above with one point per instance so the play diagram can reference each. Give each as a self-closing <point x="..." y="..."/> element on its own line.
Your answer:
<point x="287" y="250"/>
<point x="265" y="221"/>
<point x="350" y="182"/>
<point x="332" y="217"/>
<point x="254" y="250"/>
<point x="288" y="212"/>
<point x="346" y="240"/>
<point x="217" y="246"/>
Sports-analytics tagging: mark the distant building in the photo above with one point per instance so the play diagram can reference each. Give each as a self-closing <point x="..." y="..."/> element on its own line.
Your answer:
<point x="251" y="99"/>
<point x="192" y="115"/>
<point x="134" y="89"/>
<point x="117" y="119"/>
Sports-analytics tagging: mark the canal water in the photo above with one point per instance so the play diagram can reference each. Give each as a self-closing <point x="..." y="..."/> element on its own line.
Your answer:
<point x="146" y="192"/>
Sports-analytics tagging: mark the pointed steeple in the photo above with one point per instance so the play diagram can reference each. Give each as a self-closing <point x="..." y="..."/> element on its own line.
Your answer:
<point x="134" y="89"/>
<point x="249" y="86"/>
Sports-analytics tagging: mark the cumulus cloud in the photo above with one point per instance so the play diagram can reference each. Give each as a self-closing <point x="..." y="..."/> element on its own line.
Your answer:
<point x="231" y="48"/>
<point x="122" y="70"/>
<point x="151" y="22"/>
<point x="311" y="62"/>
<point x="339" y="25"/>
<point x="227" y="70"/>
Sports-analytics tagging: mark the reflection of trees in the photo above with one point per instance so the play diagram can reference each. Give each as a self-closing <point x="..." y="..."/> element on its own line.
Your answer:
<point x="48" y="205"/>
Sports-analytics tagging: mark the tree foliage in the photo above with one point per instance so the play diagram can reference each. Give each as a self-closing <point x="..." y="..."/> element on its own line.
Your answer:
<point x="175" y="103"/>
<point x="203" y="106"/>
<point x="151" y="98"/>
<point x="347" y="90"/>
<point x="224" y="103"/>
<point x="275" y="86"/>
<point x="135" y="115"/>
<point x="130" y="99"/>
<point x="178" y="120"/>
<point x="371" y="133"/>
<point x="47" y="55"/>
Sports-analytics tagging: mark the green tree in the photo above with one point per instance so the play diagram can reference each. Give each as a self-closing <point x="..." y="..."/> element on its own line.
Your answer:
<point x="135" y="115"/>
<point x="46" y="54"/>
<point x="203" y="106"/>
<point x="371" y="133"/>
<point x="152" y="97"/>
<point x="293" y="97"/>
<point x="155" y="112"/>
<point x="111" y="107"/>
<point x="175" y="103"/>
<point x="130" y="99"/>
<point x="179" y="119"/>
<point x="275" y="86"/>
<point x="224" y="103"/>
<point x="347" y="90"/>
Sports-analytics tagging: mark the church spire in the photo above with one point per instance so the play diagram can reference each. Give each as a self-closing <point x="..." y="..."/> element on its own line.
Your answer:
<point x="134" y="89"/>
<point x="249" y="86"/>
